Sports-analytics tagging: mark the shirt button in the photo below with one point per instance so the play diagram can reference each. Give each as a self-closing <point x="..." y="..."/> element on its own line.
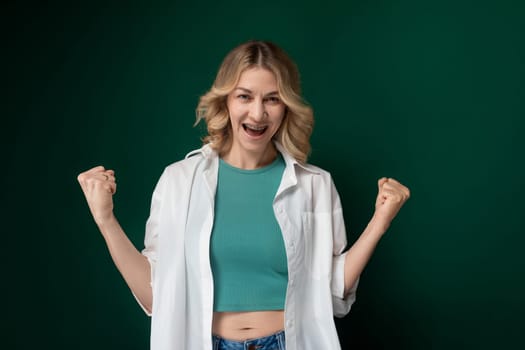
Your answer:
<point x="289" y="323"/>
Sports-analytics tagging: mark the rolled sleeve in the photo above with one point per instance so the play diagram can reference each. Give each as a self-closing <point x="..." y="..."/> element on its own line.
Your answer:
<point x="341" y="303"/>
<point x="152" y="235"/>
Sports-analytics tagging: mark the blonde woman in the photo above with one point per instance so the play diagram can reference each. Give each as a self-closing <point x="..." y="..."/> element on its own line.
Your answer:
<point x="245" y="243"/>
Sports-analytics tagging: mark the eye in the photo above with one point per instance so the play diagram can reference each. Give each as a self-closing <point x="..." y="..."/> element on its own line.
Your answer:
<point x="273" y="100"/>
<point x="243" y="97"/>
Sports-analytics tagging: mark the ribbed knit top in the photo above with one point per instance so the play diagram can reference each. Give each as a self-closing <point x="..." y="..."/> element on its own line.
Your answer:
<point x="248" y="257"/>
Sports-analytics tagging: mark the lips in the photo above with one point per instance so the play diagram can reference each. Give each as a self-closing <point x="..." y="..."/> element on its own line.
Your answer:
<point x="254" y="130"/>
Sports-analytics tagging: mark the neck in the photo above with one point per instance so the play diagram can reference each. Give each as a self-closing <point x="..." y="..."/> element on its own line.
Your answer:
<point x="250" y="160"/>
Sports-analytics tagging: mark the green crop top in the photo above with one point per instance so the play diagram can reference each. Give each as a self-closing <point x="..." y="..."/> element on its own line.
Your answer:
<point x="247" y="253"/>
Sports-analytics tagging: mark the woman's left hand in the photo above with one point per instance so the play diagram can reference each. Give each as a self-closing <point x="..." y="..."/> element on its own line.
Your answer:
<point x="390" y="198"/>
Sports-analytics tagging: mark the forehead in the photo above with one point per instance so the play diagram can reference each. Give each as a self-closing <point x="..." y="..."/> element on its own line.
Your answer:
<point x="257" y="78"/>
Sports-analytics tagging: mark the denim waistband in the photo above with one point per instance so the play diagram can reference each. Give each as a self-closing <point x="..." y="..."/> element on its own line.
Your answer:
<point x="275" y="341"/>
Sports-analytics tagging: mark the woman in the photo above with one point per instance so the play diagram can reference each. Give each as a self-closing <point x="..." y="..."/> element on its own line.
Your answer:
<point x="244" y="246"/>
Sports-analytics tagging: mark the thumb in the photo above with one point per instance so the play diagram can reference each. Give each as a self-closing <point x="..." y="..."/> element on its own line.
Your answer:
<point x="381" y="182"/>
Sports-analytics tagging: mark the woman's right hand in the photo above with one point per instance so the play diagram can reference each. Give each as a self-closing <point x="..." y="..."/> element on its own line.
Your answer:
<point x="99" y="186"/>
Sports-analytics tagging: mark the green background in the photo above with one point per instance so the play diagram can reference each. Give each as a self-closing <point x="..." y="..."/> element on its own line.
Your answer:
<point x="429" y="92"/>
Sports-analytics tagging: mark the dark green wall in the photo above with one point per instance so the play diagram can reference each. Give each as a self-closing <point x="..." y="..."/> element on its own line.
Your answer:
<point x="429" y="92"/>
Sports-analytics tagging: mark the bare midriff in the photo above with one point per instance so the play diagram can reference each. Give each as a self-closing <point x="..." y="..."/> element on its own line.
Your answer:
<point x="240" y="326"/>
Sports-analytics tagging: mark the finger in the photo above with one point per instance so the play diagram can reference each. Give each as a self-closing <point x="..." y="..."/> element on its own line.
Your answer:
<point x="381" y="182"/>
<point x="92" y="181"/>
<point x="84" y="175"/>
<point x="111" y="187"/>
<point x="393" y="181"/>
<point x="391" y="186"/>
<point x="96" y="169"/>
<point x="395" y="185"/>
<point x="105" y="178"/>
<point x="394" y="196"/>
<point x="394" y="192"/>
<point x="108" y="175"/>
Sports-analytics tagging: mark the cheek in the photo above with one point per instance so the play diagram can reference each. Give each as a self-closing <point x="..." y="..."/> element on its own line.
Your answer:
<point x="234" y="121"/>
<point x="236" y="112"/>
<point x="233" y="114"/>
<point x="280" y="112"/>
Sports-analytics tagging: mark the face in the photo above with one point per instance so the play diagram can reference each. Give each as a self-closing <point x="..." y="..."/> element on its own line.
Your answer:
<point x="256" y="112"/>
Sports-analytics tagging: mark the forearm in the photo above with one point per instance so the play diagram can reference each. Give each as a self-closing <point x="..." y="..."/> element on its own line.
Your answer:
<point x="359" y="254"/>
<point x="133" y="266"/>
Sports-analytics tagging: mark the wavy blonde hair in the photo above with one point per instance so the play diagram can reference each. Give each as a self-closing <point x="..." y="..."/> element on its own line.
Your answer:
<point x="296" y="127"/>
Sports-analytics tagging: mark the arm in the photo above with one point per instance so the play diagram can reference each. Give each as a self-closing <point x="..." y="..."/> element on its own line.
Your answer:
<point x="390" y="198"/>
<point x="99" y="186"/>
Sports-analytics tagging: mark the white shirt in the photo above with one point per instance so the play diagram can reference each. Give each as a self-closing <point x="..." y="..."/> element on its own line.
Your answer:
<point x="177" y="243"/>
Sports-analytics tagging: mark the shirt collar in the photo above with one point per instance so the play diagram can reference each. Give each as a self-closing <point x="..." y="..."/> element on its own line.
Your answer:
<point x="291" y="161"/>
<point x="205" y="151"/>
<point x="209" y="153"/>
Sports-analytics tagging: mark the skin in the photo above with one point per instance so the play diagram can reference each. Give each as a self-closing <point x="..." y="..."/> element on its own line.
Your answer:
<point x="255" y="103"/>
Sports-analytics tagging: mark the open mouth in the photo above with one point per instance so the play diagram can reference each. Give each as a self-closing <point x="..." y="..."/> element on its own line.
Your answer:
<point x="254" y="130"/>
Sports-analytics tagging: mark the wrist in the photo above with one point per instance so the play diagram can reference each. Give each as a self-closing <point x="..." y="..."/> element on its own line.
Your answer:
<point x="379" y="224"/>
<point x="106" y="222"/>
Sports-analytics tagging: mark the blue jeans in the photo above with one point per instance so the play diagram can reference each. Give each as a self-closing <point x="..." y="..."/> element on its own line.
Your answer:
<point x="271" y="342"/>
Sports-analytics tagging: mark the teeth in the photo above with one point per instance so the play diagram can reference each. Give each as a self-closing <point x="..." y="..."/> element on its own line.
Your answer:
<point x="254" y="127"/>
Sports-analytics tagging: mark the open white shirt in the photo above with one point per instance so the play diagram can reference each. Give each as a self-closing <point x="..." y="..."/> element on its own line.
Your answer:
<point x="177" y="245"/>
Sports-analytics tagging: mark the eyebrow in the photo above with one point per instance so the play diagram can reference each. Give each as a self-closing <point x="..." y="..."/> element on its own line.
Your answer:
<point x="250" y="91"/>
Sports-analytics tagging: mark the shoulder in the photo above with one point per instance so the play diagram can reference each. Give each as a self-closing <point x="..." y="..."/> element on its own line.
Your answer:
<point x="302" y="170"/>
<point x="314" y="172"/>
<point x="314" y="169"/>
<point x="193" y="161"/>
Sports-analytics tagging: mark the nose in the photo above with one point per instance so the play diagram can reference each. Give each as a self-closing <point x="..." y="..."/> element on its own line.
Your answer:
<point x="258" y="111"/>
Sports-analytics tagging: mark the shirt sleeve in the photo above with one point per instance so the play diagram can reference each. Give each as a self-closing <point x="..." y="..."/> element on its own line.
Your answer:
<point x="152" y="233"/>
<point x="341" y="303"/>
